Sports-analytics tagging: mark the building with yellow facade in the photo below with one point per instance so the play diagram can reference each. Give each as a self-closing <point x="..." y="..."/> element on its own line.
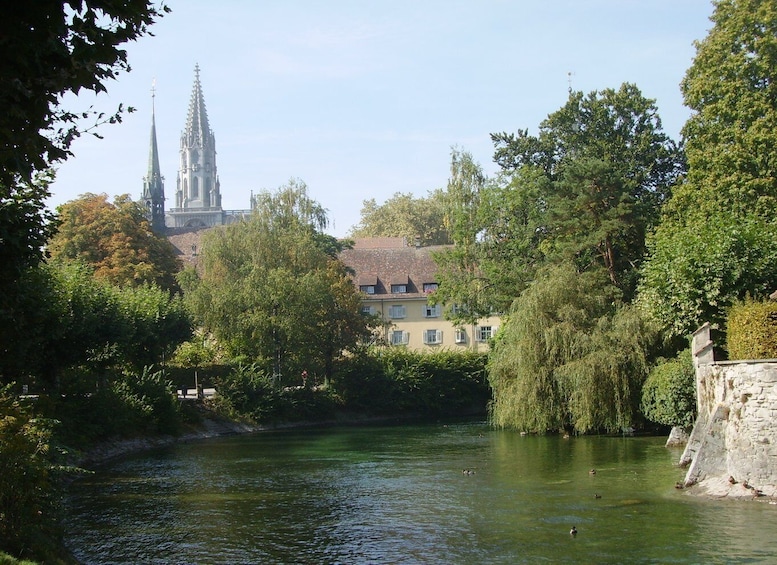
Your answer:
<point x="396" y="281"/>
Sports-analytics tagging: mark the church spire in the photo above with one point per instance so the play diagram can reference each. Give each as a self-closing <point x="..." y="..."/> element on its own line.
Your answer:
<point x="153" y="183"/>
<point x="198" y="192"/>
<point x="197" y="127"/>
<point x="153" y="153"/>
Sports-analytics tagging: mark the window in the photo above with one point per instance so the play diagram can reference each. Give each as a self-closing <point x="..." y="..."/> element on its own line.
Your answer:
<point x="398" y="288"/>
<point x="457" y="309"/>
<point x="367" y="288"/>
<point x="429" y="287"/>
<point x="195" y="188"/>
<point x="484" y="333"/>
<point x="368" y="310"/>
<point x="398" y="337"/>
<point x="397" y="311"/>
<point x="432" y="311"/>
<point x="432" y="337"/>
<point x="461" y="336"/>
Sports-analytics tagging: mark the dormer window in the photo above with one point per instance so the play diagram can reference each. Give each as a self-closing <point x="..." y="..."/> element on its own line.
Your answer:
<point x="398" y="289"/>
<point x="429" y="287"/>
<point x="367" y="288"/>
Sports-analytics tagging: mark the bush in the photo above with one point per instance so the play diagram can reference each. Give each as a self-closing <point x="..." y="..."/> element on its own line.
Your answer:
<point x="248" y="391"/>
<point x="752" y="330"/>
<point x="398" y="381"/>
<point x="669" y="393"/>
<point x="29" y="519"/>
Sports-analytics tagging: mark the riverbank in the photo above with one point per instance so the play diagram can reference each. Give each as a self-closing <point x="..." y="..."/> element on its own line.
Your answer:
<point x="722" y="487"/>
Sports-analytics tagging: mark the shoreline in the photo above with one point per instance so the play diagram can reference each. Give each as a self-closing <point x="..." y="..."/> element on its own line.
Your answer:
<point x="212" y="426"/>
<point x="720" y="488"/>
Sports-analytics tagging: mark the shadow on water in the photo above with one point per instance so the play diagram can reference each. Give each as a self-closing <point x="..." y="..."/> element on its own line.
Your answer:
<point x="457" y="493"/>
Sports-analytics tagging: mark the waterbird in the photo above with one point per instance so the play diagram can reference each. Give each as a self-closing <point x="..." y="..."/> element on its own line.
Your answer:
<point x="592" y="472"/>
<point x="573" y="531"/>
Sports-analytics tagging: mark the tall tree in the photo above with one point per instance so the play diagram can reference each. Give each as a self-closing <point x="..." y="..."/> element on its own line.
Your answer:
<point x="463" y="284"/>
<point x="607" y="168"/>
<point x="273" y="290"/>
<point x="570" y="357"/>
<point x="404" y="215"/>
<point x="116" y="239"/>
<point x="717" y="235"/>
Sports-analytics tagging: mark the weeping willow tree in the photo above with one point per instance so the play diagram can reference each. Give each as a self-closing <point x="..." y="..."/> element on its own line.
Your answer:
<point x="570" y="356"/>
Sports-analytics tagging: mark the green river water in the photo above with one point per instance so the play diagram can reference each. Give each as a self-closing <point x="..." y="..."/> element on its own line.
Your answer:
<point x="398" y="494"/>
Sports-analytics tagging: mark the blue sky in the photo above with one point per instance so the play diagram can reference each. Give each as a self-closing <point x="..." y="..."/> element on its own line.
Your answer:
<point x="365" y="98"/>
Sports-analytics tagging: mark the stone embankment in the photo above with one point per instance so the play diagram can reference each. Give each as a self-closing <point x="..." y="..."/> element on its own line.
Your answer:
<point x="207" y="428"/>
<point x="732" y="450"/>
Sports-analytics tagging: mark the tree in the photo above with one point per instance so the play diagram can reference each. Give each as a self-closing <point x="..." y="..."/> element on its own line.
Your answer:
<point x="570" y="356"/>
<point x="116" y="240"/>
<point x="273" y="290"/>
<point x="51" y="49"/>
<point x="716" y="240"/>
<point x="462" y="281"/>
<point x="403" y="215"/>
<point x="607" y="168"/>
<point x="730" y="135"/>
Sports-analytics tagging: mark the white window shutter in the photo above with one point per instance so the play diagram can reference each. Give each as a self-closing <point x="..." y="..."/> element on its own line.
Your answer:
<point x="438" y="337"/>
<point x="405" y="338"/>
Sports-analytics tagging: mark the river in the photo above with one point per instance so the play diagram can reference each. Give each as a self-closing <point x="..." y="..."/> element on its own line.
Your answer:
<point x="455" y="493"/>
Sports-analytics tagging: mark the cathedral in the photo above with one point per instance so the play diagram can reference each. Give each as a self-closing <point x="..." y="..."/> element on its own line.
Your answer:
<point x="197" y="191"/>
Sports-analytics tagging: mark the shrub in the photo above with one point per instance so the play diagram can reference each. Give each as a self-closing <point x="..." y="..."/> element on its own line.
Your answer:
<point x="752" y="330"/>
<point x="669" y="393"/>
<point x="29" y="519"/>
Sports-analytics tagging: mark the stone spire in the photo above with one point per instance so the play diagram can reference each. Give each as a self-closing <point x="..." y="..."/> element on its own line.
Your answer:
<point x="198" y="193"/>
<point x="197" y="130"/>
<point x="153" y="182"/>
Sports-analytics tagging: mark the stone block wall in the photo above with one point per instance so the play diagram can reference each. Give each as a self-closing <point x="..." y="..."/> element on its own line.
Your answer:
<point x="735" y="432"/>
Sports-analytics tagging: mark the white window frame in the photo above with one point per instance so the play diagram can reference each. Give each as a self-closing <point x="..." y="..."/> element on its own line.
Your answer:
<point x="400" y="337"/>
<point x="397" y="311"/>
<point x="485" y="333"/>
<point x="461" y="335"/>
<point x="367" y="288"/>
<point x="432" y="311"/>
<point x="432" y="337"/>
<point x="399" y="289"/>
<point x="368" y="310"/>
<point x="430" y="287"/>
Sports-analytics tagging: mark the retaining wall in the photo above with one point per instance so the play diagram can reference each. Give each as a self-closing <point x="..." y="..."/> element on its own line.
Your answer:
<point x="735" y="433"/>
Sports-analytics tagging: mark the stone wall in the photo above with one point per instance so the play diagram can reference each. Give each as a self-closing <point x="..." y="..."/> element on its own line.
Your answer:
<point x="735" y="433"/>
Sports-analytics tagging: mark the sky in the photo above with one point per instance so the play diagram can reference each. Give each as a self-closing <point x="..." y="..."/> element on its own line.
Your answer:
<point x="363" y="99"/>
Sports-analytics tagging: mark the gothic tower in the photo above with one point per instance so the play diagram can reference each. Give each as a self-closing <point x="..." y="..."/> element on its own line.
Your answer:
<point x="198" y="193"/>
<point x="154" y="183"/>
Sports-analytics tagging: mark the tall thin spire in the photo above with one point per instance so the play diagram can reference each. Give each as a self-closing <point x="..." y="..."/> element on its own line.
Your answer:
<point x="197" y="127"/>
<point x="154" y="170"/>
<point x="153" y="183"/>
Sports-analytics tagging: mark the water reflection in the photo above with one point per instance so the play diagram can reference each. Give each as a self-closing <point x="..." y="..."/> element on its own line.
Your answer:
<point x="398" y="495"/>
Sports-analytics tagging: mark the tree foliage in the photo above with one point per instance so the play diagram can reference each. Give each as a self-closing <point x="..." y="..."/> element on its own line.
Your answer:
<point x="51" y="49"/>
<point x="116" y="239"/>
<point x="598" y="171"/>
<point x="73" y="319"/>
<point x="570" y="356"/>
<point x="403" y="215"/>
<point x="273" y="290"/>
<point x="730" y="136"/>
<point x="669" y="394"/>
<point x="462" y="278"/>
<point x="29" y="520"/>
<point x="716" y="240"/>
